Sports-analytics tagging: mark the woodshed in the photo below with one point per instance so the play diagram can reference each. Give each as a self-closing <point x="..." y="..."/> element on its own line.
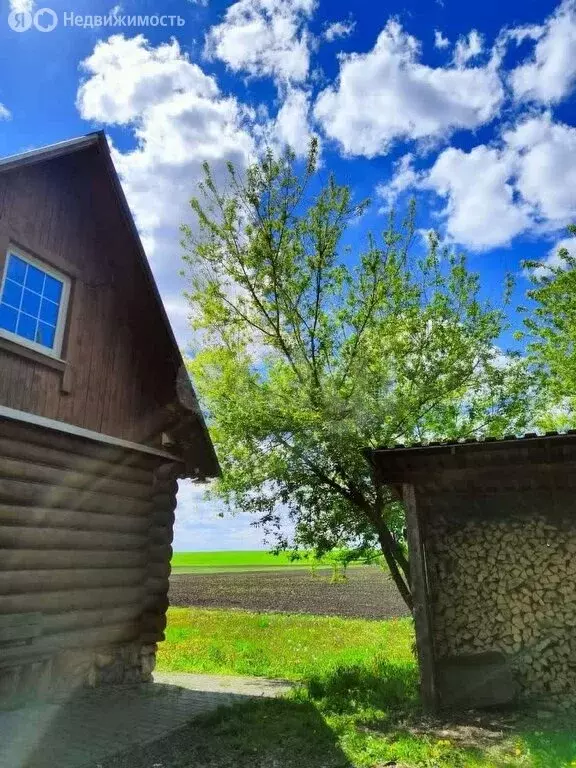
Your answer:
<point x="492" y="537"/>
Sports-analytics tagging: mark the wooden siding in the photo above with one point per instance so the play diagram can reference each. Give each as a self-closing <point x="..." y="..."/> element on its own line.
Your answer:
<point x="121" y="366"/>
<point x="88" y="549"/>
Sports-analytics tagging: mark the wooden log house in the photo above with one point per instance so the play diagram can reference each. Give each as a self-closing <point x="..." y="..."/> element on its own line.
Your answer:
<point x="98" y="419"/>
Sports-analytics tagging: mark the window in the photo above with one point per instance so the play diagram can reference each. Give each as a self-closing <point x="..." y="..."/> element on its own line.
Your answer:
<point x="33" y="302"/>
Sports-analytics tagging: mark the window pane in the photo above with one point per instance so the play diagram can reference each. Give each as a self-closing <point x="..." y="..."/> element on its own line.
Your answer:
<point x="26" y="327"/>
<point x="34" y="279"/>
<point x="30" y="303"/>
<point x="12" y="294"/>
<point x="52" y="289"/>
<point x="46" y="335"/>
<point x="8" y="318"/>
<point x="49" y="312"/>
<point x="16" y="269"/>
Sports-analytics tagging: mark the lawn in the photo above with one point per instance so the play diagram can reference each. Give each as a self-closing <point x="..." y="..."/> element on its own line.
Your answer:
<point x="276" y="645"/>
<point x="356" y="705"/>
<point x="307" y="733"/>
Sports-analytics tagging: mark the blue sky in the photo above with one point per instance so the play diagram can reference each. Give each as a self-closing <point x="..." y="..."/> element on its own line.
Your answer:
<point x="468" y="106"/>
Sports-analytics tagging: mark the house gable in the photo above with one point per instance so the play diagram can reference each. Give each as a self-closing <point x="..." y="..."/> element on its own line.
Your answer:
<point x="122" y="373"/>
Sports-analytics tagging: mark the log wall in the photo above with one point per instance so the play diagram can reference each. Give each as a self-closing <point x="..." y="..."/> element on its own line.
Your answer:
<point x="85" y="533"/>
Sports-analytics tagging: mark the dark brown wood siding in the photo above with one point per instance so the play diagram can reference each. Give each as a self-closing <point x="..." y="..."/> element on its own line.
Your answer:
<point x="120" y="364"/>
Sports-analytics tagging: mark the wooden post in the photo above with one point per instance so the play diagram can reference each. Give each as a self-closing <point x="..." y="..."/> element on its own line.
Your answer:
<point x="419" y="589"/>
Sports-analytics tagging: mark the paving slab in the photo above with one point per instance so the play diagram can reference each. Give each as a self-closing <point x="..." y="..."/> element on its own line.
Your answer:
<point x="93" y="725"/>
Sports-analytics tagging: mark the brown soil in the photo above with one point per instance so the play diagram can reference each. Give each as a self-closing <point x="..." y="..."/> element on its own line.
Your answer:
<point x="367" y="592"/>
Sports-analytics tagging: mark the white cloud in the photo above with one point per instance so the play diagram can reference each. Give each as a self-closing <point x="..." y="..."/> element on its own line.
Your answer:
<point x="439" y="40"/>
<point x="481" y="211"/>
<point x="388" y="94"/>
<point x="199" y="527"/>
<point x="526" y="182"/>
<point x="404" y="178"/>
<point x="550" y="74"/>
<point x="264" y="38"/>
<point x="467" y="48"/>
<point x="546" y="178"/>
<point x="291" y="126"/>
<point x="338" y="29"/>
<point x="128" y="79"/>
<point x="179" y="119"/>
<point x="553" y="259"/>
<point x="5" y="113"/>
<point x="568" y="243"/>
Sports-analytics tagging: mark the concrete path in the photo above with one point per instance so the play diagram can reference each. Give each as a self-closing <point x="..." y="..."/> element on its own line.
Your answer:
<point x="237" y="686"/>
<point x="94" y="725"/>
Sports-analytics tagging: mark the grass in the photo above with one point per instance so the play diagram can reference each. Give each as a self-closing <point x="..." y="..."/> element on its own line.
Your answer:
<point x="275" y="645"/>
<point x="356" y="705"/>
<point x="373" y="712"/>
<point x="303" y="732"/>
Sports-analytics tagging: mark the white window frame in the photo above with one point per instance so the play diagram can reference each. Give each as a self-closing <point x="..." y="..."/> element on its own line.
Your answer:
<point x="56" y="350"/>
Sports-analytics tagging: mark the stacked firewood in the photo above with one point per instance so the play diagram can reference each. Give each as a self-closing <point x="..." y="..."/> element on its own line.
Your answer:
<point x="508" y="586"/>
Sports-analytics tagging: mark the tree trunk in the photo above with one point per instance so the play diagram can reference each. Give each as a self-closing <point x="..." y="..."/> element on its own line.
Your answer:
<point x="401" y="579"/>
<point x="394" y="556"/>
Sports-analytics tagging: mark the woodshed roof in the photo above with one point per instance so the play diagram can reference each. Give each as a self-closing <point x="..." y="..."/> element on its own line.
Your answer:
<point x="481" y="466"/>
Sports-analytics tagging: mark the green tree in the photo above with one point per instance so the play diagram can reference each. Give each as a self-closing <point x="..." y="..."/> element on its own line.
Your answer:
<point x="551" y="334"/>
<point x="309" y="354"/>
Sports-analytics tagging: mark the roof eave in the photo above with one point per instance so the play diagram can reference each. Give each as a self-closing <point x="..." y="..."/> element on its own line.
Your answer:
<point x="213" y="469"/>
<point x="460" y="445"/>
<point x="50" y="152"/>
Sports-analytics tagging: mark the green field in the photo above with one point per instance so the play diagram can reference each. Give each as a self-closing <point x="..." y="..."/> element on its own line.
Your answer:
<point x="276" y="645"/>
<point x="249" y="560"/>
<point x="356" y="705"/>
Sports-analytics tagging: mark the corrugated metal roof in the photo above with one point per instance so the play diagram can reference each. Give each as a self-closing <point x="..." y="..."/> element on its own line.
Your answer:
<point x="539" y="463"/>
<point x="472" y="441"/>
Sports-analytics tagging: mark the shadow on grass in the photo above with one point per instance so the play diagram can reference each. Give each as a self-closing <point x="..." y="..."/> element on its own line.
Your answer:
<point x="372" y="712"/>
<point x="494" y="740"/>
<point x="267" y="733"/>
<point x="382" y="702"/>
<point x="552" y="745"/>
<point x="379" y="685"/>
